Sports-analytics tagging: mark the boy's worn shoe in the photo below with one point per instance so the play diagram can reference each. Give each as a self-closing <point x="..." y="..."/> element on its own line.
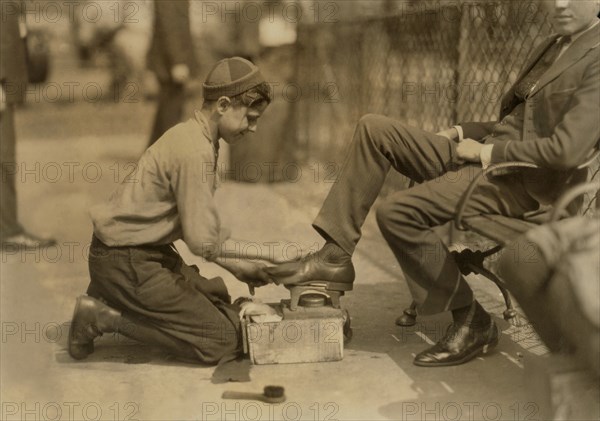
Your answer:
<point x="459" y="345"/>
<point x="91" y="318"/>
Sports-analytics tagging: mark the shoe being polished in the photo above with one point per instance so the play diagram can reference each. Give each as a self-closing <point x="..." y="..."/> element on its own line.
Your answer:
<point x="90" y="319"/>
<point x="336" y="273"/>
<point x="27" y="241"/>
<point x="459" y="345"/>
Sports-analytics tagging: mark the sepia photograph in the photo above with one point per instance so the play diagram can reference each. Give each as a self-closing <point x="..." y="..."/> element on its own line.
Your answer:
<point x="286" y="210"/>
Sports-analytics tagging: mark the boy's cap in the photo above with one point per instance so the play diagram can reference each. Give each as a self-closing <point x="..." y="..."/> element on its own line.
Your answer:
<point x="231" y="77"/>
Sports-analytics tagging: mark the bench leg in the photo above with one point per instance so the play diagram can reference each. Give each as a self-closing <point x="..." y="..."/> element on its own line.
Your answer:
<point x="409" y="316"/>
<point x="510" y="314"/>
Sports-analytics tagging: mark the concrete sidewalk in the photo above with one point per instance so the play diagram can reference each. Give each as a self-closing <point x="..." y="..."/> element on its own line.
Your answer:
<point x="66" y="169"/>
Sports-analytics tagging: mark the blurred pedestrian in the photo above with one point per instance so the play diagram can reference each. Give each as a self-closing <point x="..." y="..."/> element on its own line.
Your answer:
<point x="129" y="49"/>
<point x="122" y="33"/>
<point x="13" y="83"/>
<point x="171" y="58"/>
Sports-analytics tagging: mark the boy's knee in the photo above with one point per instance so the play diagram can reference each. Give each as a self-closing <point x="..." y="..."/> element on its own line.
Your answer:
<point x="217" y="355"/>
<point x="225" y="344"/>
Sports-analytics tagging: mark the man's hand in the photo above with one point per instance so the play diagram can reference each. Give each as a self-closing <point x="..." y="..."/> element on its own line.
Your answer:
<point x="469" y="150"/>
<point x="451" y="134"/>
<point x="252" y="308"/>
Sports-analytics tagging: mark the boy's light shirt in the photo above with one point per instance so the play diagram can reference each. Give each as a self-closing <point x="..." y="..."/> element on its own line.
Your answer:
<point x="169" y="196"/>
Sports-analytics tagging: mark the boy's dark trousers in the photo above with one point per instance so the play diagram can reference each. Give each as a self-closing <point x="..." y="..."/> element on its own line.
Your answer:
<point x="407" y="217"/>
<point x="152" y="285"/>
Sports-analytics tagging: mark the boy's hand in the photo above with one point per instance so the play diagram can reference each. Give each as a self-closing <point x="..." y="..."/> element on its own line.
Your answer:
<point x="252" y="273"/>
<point x="251" y="308"/>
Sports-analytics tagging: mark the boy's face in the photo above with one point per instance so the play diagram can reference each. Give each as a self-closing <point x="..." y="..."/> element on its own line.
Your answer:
<point x="237" y="120"/>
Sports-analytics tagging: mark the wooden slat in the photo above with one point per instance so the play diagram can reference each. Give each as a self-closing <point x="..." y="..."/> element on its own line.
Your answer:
<point x="499" y="228"/>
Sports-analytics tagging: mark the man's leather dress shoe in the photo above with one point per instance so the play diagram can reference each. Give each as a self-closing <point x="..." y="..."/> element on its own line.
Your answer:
<point x="459" y="345"/>
<point x="336" y="275"/>
<point x="27" y="241"/>
<point x="90" y="319"/>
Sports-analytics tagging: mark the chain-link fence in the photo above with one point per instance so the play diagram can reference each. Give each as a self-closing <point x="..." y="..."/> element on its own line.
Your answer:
<point x="429" y="67"/>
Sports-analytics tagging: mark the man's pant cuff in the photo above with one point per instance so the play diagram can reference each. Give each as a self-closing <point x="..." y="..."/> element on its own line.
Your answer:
<point x="334" y="234"/>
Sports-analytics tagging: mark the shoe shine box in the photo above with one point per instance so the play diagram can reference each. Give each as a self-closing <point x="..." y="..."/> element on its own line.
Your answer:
<point x="314" y="332"/>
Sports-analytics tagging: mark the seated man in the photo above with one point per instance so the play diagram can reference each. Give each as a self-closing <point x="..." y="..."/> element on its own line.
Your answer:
<point x="554" y="272"/>
<point x="140" y="286"/>
<point x="549" y="117"/>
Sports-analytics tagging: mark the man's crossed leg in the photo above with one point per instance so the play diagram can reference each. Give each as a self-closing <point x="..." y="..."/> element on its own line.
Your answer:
<point x="406" y="220"/>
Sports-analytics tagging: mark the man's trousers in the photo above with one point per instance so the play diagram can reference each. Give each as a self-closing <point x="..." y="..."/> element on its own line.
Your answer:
<point x="154" y="287"/>
<point x="407" y="217"/>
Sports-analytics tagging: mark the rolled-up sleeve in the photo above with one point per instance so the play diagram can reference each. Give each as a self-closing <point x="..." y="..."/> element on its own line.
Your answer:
<point x="193" y="182"/>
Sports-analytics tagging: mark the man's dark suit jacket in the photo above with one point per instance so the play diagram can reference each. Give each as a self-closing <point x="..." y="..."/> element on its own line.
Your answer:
<point x="171" y="39"/>
<point x="13" y="64"/>
<point x="561" y="117"/>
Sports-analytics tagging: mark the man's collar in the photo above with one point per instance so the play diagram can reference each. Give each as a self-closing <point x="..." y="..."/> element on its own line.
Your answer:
<point x="580" y="33"/>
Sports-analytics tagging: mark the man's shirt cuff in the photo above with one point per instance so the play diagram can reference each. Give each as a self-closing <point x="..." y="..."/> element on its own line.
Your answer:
<point x="461" y="134"/>
<point x="486" y="155"/>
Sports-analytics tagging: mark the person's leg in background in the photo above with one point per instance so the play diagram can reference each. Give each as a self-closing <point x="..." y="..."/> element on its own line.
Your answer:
<point x="171" y="100"/>
<point x="9" y="226"/>
<point x="12" y="233"/>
